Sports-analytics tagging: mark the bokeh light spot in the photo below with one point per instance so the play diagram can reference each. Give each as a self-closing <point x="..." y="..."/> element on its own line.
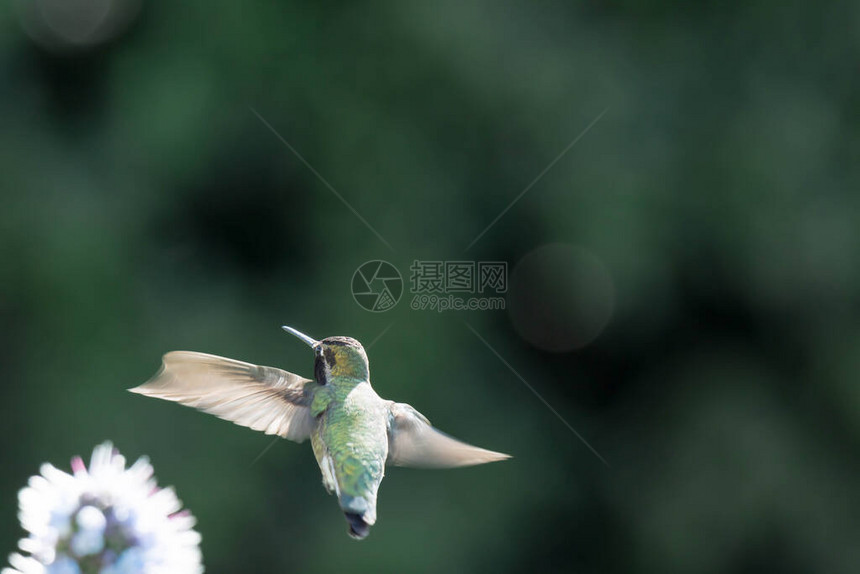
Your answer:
<point x="68" y="25"/>
<point x="560" y="297"/>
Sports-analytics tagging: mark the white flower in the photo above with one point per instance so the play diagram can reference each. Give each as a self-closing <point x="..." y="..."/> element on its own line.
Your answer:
<point x="107" y="519"/>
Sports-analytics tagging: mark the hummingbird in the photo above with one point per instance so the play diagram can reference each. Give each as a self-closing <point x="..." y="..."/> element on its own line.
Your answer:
<point x="354" y="432"/>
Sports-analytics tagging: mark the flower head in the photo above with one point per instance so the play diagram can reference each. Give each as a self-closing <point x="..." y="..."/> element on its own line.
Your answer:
<point x="105" y="519"/>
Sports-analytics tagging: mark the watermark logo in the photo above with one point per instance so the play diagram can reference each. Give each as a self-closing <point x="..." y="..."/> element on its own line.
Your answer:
<point x="435" y="285"/>
<point x="458" y="285"/>
<point x="459" y="276"/>
<point x="377" y="286"/>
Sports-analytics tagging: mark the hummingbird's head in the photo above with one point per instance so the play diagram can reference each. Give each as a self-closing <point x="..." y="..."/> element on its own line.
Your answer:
<point x="336" y="357"/>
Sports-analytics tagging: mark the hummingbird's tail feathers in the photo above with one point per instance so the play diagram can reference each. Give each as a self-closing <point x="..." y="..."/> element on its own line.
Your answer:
<point x="358" y="528"/>
<point x="412" y="441"/>
<point x="360" y="513"/>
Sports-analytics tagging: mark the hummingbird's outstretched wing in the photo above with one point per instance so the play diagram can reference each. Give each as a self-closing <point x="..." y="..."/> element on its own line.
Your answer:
<point x="262" y="398"/>
<point x="412" y="441"/>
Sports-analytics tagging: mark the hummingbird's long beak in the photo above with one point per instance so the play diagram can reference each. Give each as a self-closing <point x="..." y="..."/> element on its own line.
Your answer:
<point x="311" y="342"/>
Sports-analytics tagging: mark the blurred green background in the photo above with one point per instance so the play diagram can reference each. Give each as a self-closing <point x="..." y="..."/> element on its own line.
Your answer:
<point x="146" y="208"/>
